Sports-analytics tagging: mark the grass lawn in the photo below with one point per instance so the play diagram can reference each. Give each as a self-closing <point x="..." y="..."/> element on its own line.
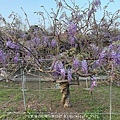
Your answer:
<point x="43" y="97"/>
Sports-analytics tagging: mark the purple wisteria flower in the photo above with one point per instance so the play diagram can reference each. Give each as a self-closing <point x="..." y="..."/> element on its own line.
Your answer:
<point x="102" y="54"/>
<point x="35" y="31"/>
<point x="2" y="56"/>
<point x="62" y="72"/>
<point x="93" y="84"/>
<point x="116" y="38"/>
<point x="53" y="43"/>
<point x="112" y="54"/>
<point x="36" y="41"/>
<point x="23" y="35"/>
<point x="94" y="47"/>
<point x="16" y="59"/>
<point x="117" y="60"/>
<point x="58" y="66"/>
<point x="76" y="64"/>
<point x="111" y="46"/>
<point x="91" y="11"/>
<point x="8" y="43"/>
<point x="55" y="67"/>
<point x="1" y="53"/>
<point x="45" y="41"/>
<point x="59" y="70"/>
<point x="28" y="51"/>
<point x="115" y="57"/>
<point x="96" y="3"/>
<point x="96" y="64"/>
<point x="72" y="29"/>
<point x="72" y="40"/>
<point x="84" y="66"/>
<point x="107" y="35"/>
<point x="12" y="45"/>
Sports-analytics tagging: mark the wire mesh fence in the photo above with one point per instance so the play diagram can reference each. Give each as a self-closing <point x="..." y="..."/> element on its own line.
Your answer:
<point x="39" y="98"/>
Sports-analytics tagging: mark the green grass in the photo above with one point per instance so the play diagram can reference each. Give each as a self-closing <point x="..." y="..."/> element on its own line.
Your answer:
<point x="43" y="98"/>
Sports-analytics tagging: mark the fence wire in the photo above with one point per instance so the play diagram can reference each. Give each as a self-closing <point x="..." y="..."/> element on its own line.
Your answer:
<point x="38" y="96"/>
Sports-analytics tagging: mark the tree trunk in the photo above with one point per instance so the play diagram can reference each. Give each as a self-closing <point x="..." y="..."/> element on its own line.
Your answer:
<point x="65" y="93"/>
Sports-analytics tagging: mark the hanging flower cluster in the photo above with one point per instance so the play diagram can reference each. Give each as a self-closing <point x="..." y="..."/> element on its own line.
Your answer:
<point x="93" y="83"/>
<point x="60" y="71"/>
<point x="84" y="66"/>
<point x="2" y="56"/>
<point x="76" y="64"/>
<point x="72" y="29"/>
<point x="12" y="45"/>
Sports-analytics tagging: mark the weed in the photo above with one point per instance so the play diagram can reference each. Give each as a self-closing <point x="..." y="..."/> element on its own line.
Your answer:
<point x="94" y="114"/>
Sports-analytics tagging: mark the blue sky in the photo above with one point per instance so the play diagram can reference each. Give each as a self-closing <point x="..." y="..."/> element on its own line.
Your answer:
<point x="31" y="6"/>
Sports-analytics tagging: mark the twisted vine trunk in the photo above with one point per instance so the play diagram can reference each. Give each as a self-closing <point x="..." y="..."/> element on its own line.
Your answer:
<point x="65" y="100"/>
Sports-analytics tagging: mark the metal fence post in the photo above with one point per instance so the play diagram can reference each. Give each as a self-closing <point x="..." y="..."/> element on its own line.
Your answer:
<point x="23" y="88"/>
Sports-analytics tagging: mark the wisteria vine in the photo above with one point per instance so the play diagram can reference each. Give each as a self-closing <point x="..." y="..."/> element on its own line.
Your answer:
<point x="73" y="44"/>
